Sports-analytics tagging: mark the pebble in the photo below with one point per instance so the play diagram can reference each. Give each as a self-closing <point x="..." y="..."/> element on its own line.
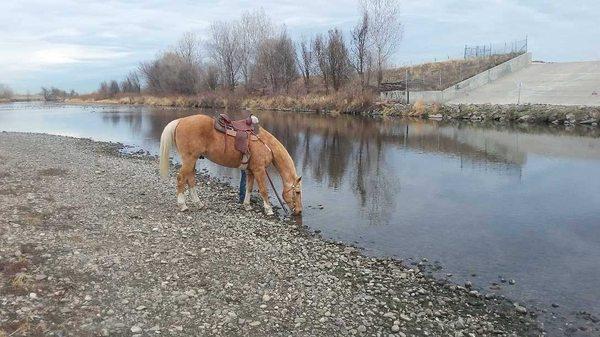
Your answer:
<point x="520" y="309"/>
<point x="214" y="263"/>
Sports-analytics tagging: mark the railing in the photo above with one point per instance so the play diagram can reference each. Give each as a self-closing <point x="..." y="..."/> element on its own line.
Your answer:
<point x="514" y="47"/>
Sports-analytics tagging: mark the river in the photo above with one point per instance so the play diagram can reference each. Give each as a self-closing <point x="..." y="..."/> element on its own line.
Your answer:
<point x="481" y="202"/>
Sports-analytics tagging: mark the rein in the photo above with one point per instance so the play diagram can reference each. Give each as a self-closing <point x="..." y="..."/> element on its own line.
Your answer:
<point x="276" y="194"/>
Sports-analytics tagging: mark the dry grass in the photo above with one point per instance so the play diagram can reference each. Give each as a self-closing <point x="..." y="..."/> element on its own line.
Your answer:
<point x="21" y="282"/>
<point x="418" y="109"/>
<point x="427" y="76"/>
<point x="349" y="100"/>
<point x="343" y="101"/>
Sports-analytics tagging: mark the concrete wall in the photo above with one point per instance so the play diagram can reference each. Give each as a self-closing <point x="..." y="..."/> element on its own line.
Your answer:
<point x="426" y="96"/>
<point x="393" y="95"/>
<point x="464" y="87"/>
<point x="490" y="75"/>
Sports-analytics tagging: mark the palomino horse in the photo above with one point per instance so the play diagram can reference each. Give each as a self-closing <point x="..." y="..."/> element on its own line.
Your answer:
<point x="195" y="136"/>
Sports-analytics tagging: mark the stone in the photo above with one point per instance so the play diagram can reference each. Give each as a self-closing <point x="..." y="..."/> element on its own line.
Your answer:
<point x="136" y="329"/>
<point x="405" y="318"/>
<point x="395" y="328"/>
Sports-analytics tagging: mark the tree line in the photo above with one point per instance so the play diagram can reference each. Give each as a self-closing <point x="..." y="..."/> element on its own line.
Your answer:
<point x="5" y="92"/>
<point x="252" y="54"/>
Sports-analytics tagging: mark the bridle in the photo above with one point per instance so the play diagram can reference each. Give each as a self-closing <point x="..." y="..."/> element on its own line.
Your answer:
<point x="295" y="190"/>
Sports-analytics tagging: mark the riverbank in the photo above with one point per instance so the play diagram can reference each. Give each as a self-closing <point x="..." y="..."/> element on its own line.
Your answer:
<point x="93" y="245"/>
<point x="342" y="102"/>
<point x="364" y="104"/>
<point x="513" y="113"/>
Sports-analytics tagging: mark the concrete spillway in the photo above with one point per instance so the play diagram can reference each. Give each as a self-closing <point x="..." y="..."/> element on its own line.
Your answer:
<point x="571" y="83"/>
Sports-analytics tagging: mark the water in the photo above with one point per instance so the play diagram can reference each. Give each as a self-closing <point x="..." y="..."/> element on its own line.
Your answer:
<point x="523" y="203"/>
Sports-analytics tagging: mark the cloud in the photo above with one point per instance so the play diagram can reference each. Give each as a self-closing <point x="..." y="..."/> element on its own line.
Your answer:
<point x="80" y="43"/>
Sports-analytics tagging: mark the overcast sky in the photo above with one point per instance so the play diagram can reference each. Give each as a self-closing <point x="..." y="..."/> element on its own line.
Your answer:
<point x="76" y="44"/>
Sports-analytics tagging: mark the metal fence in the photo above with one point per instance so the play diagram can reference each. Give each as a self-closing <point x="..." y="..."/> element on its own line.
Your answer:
<point x="514" y="47"/>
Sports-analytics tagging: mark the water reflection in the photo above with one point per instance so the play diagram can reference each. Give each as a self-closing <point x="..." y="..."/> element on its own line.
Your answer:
<point x="516" y="201"/>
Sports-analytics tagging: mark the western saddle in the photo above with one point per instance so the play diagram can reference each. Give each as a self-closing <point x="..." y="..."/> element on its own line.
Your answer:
<point x="242" y="130"/>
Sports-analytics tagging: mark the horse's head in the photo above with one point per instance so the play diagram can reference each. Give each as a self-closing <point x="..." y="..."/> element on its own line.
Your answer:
<point x="292" y="194"/>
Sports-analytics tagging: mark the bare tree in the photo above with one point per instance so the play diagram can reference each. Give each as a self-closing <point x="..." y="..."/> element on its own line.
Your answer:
<point x="114" y="89"/>
<point x="211" y="76"/>
<point x="103" y="90"/>
<point x="188" y="48"/>
<point x="339" y="66"/>
<point x="225" y="50"/>
<point x="305" y="60"/>
<point x="359" y="48"/>
<point x="385" y="30"/>
<point x="55" y="94"/>
<point x="252" y="29"/>
<point x="171" y="73"/>
<point x="131" y="83"/>
<point x="322" y="59"/>
<point x="5" y="91"/>
<point x="277" y="62"/>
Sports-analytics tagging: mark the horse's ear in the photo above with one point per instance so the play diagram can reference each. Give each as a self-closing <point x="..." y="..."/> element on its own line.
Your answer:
<point x="299" y="178"/>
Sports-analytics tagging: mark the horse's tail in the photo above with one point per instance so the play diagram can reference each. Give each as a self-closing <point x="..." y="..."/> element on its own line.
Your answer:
<point x="166" y="141"/>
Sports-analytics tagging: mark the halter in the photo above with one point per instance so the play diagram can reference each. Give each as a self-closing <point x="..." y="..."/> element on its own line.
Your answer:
<point x="291" y="189"/>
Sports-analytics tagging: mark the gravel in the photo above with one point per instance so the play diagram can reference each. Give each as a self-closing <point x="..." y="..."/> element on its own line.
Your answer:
<point x="91" y="244"/>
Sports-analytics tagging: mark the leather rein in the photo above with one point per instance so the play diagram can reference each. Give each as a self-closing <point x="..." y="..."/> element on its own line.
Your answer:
<point x="281" y="202"/>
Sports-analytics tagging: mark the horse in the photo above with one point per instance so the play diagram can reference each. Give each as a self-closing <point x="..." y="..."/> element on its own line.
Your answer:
<point x="195" y="136"/>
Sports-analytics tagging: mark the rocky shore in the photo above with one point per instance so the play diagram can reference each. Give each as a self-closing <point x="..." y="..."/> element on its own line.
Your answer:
<point x="523" y="113"/>
<point x="91" y="244"/>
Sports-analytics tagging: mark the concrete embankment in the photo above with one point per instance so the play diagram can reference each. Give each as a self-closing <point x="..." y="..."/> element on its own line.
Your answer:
<point x="91" y="244"/>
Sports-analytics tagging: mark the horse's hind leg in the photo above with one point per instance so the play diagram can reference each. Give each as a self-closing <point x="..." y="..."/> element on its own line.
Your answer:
<point x="261" y="176"/>
<point x="249" y="188"/>
<point x="191" y="181"/>
<point x="187" y="169"/>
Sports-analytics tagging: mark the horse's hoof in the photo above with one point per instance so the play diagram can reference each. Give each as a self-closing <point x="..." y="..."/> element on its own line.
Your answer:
<point x="200" y="205"/>
<point x="183" y="208"/>
<point x="270" y="212"/>
<point x="247" y="207"/>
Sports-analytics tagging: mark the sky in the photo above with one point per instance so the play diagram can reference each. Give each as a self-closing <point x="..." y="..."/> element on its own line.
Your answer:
<point x="77" y="44"/>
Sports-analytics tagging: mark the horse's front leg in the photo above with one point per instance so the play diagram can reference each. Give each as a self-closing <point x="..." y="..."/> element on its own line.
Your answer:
<point x="249" y="188"/>
<point x="261" y="176"/>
